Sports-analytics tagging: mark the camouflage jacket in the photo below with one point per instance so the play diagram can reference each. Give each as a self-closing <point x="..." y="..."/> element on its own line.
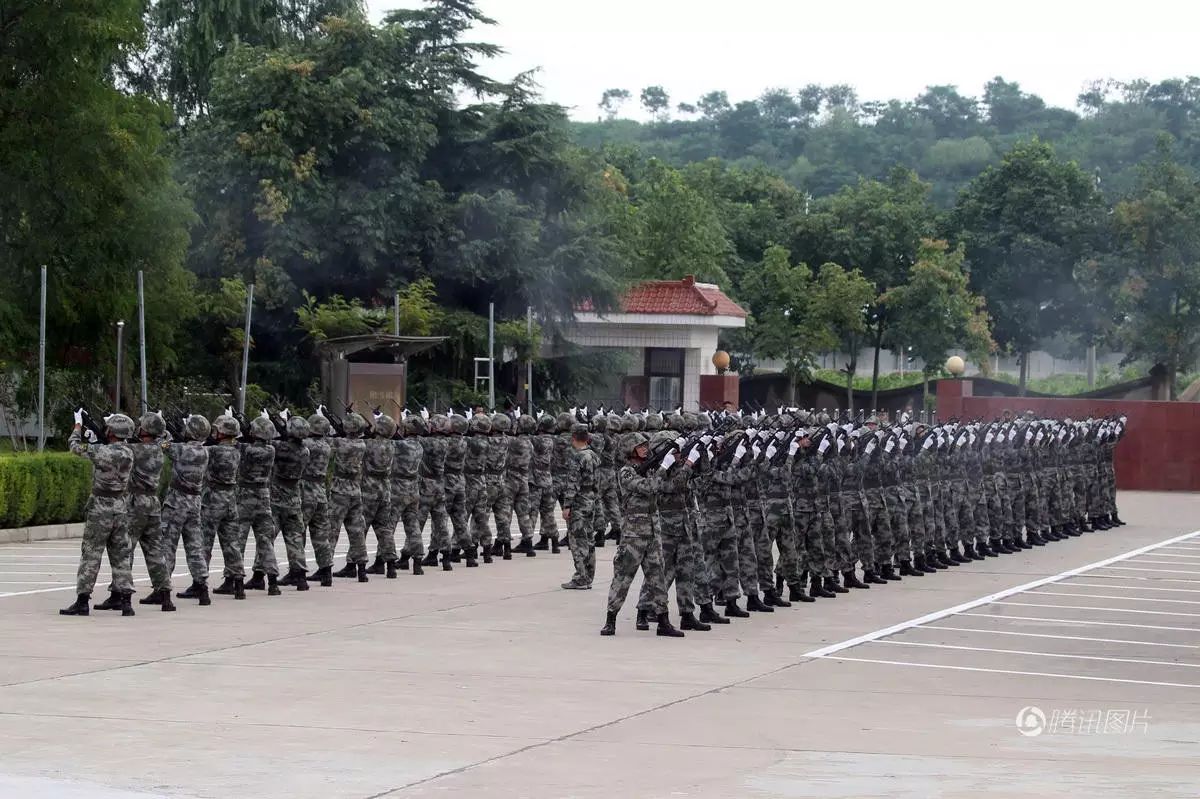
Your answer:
<point x="258" y="459"/>
<point x="189" y="466"/>
<point x="579" y="484"/>
<point x="291" y="459"/>
<point x="223" y="462"/>
<point x="112" y="465"/>
<point x="543" y="456"/>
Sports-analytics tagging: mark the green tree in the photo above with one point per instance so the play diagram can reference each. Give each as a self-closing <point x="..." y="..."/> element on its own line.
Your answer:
<point x="1025" y="223"/>
<point x="657" y="102"/>
<point x="936" y="312"/>
<point x="677" y="230"/>
<point x="612" y="100"/>
<point x="841" y="300"/>
<point x="1159" y="232"/>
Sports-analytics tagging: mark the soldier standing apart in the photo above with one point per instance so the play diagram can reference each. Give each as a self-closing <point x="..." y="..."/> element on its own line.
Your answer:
<point x="145" y="522"/>
<point x="254" y="503"/>
<point x="640" y="546"/>
<point x="314" y="498"/>
<point x="219" y="516"/>
<point x="107" y="512"/>
<point x="542" y="494"/>
<point x="345" y="504"/>
<point x="287" y="506"/>
<point x="181" y="513"/>
<point x="377" y="494"/>
<point x="579" y="499"/>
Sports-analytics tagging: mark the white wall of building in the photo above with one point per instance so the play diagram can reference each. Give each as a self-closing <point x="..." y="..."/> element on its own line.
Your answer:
<point x="1041" y="363"/>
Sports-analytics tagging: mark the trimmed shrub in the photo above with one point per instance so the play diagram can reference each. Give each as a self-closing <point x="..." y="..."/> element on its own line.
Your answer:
<point x="50" y="488"/>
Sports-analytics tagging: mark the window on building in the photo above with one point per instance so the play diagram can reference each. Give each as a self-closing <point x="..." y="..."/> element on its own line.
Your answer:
<point x="664" y="370"/>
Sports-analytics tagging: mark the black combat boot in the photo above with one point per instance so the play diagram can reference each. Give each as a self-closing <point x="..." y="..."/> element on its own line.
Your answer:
<point x="498" y="547"/>
<point x="907" y="570"/>
<point x="80" y="607"/>
<point x="969" y="551"/>
<point x="301" y="580"/>
<point x="273" y="581"/>
<point x="155" y="597"/>
<point x="1117" y="520"/>
<point x="258" y="581"/>
<point x="554" y="547"/>
<point x="944" y="559"/>
<point x="709" y="615"/>
<point x="817" y="588"/>
<point x="956" y="558"/>
<point x="323" y="575"/>
<point x="167" y="605"/>
<point x="543" y="543"/>
<point x="565" y="541"/>
<point x="754" y="602"/>
<point x="772" y="597"/>
<point x="390" y="569"/>
<point x="239" y="589"/>
<point x="362" y="573"/>
<point x="456" y="555"/>
<point x="127" y="604"/>
<point x="378" y="567"/>
<point x="507" y="550"/>
<point x="290" y="577"/>
<point x="347" y="571"/>
<point x="404" y="556"/>
<point x="526" y="547"/>
<point x="470" y="557"/>
<point x="610" y="624"/>
<point x="796" y="593"/>
<point x="416" y="567"/>
<point x="202" y="594"/>
<point x="873" y="578"/>
<point x="1083" y="526"/>
<point x="187" y="593"/>
<point x="1035" y="538"/>
<point x="598" y="540"/>
<point x="665" y="628"/>
<point x="850" y="579"/>
<point x="487" y="553"/>
<point x="987" y="548"/>
<point x="918" y="565"/>
<point x="447" y="564"/>
<point x="888" y="573"/>
<point x="431" y="558"/>
<point x="226" y="587"/>
<point x="732" y="610"/>
<point x="643" y="620"/>
<point x="112" y="603"/>
<point x="688" y="621"/>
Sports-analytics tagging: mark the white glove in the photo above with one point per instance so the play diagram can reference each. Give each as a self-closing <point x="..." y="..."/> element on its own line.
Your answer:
<point x="793" y="448"/>
<point x="79" y="416"/>
<point x="320" y="412"/>
<point x="229" y="410"/>
<point x="264" y="415"/>
<point x="378" y="415"/>
<point x="90" y="436"/>
<point x="781" y="435"/>
<point x="679" y="442"/>
<point x="285" y="414"/>
<point x="667" y="462"/>
<point x="425" y="414"/>
<point x="706" y="439"/>
<point x="693" y="456"/>
<point x="755" y="449"/>
<point x="824" y="445"/>
<point x="771" y="451"/>
<point x="751" y="432"/>
<point x="739" y="453"/>
<point x="889" y="446"/>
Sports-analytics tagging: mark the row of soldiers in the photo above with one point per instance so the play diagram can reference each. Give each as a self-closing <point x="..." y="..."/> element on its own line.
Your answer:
<point x="749" y="505"/>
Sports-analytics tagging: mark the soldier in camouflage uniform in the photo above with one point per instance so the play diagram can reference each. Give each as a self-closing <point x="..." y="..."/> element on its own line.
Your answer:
<point x="517" y="473"/>
<point x="407" y="453"/>
<point x="182" y="514"/>
<point x="456" y="490"/>
<point x="287" y="507"/>
<point x="219" y="515"/>
<point x="254" y="504"/>
<point x="640" y="547"/>
<point x="433" y="492"/>
<point x="314" y="497"/>
<point x="542" y="495"/>
<point x="834" y="538"/>
<point x="345" y="496"/>
<point x="145" y="513"/>
<point x="579" y="499"/>
<point x="499" y="500"/>
<point x="747" y="519"/>
<point x="604" y="444"/>
<point x="808" y="519"/>
<point x="560" y="458"/>
<point x="377" y="493"/>
<point x="107" y="512"/>
<point x="780" y="528"/>
<point x="877" y="521"/>
<point x="719" y="534"/>
<point x="475" y="470"/>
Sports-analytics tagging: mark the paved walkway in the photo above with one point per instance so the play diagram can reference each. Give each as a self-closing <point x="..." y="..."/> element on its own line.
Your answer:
<point x="493" y="682"/>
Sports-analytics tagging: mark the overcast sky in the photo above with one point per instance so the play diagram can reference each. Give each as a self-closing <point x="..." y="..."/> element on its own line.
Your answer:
<point x="883" y="48"/>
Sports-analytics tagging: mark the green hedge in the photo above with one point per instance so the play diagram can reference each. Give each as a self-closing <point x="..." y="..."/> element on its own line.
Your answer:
<point x="50" y="488"/>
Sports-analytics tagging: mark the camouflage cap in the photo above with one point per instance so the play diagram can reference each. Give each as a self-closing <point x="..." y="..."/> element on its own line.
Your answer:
<point x="414" y="425"/>
<point x="631" y="442"/>
<point x="297" y="427"/>
<point x="439" y="423"/>
<point x="120" y="426"/>
<point x="319" y="426"/>
<point x="675" y="421"/>
<point x="579" y="429"/>
<point x="481" y="425"/>
<point x="196" y="427"/>
<point x="151" y="424"/>
<point x="501" y="423"/>
<point x="227" y="426"/>
<point x="385" y="426"/>
<point x="354" y="424"/>
<point x="545" y="424"/>
<point x="526" y="424"/>
<point x="599" y="423"/>
<point x="458" y="424"/>
<point x="662" y="437"/>
<point x="262" y="429"/>
<point x="654" y="422"/>
<point x="563" y="422"/>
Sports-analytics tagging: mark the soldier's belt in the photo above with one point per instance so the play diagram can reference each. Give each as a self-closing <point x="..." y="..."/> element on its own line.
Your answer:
<point x="218" y="485"/>
<point x="185" y="489"/>
<point x="379" y="474"/>
<point x="245" y="484"/>
<point x="107" y="493"/>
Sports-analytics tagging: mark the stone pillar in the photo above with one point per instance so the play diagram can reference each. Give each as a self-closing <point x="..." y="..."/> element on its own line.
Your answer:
<point x="950" y="394"/>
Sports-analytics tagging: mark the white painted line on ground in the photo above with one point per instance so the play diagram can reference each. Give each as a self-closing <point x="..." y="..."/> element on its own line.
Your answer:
<point x="1084" y="622"/>
<point x="1059" y="637"/>
<point x="29" y="582"/>
<point x="1132" y="587"/>
<point x="1012" y="671"/>
<point x="1144" y="562"/>
<point x="1109" y="596"/>
<point x="1174" y="555"/>
<point x="1147" y="580"/>
<point x="1042" y="654"/>
<point x="1091" y="607"/>
<point x="1155" y="571"/>
<point x="825" y="651"/>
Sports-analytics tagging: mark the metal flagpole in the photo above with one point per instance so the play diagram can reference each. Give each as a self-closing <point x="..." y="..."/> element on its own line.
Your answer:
<point x="142" y="338"/>
<point x="246" y="349"/>
<point x="42" y="369"/>
<point x="529" y="361"/>
<point x="491" y="356"/>
<point x="120" y="353"/>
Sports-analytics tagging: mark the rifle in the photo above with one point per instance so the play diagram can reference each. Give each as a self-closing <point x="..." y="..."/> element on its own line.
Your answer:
<point x="90" y="423"/>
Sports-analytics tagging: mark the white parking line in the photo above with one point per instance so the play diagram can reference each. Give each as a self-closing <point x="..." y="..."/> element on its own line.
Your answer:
<point x="825" y="651"/>
<point x="1155" y="571"/>
<point x="1084" y="622"/>
<point x="1173" y="555"/>
<point x="1043" y="654"/>
<point x="1090" y="607"/>
<point x="1013" y="671"/>
<point x="1132" y="587"/>
<point x="1108" y="596"/>
<point x="1146" y="580"/>
<point x="1059" y="637"/>
<point x="1144" y="562"/>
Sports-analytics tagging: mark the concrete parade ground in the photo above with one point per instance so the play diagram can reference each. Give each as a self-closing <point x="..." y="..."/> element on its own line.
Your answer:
<point x="1066" y="670"/>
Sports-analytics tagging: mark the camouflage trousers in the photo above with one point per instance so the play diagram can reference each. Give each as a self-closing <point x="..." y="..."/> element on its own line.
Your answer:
<point x="1016" y="498"/>
<point x="1034" y="512"/>
<point x="314" y="508"/>
<point x="747" y="555"/>
<point x="456" y="509"/>
<point x="377" y="516"/>
<point x="977" y="497"/>
<point x="638" y="550"/>
<point x="477" y="509"/>
<point x="1079" y="488"/>
<point x="896" y="499"/>
<point x="405" y="511"/>
<point x="289" y="520"/>
<point x="1108" y="490"/>
<point x="145" y="530"/>
<point x="858" y="524"/>
<point x="839" y="537"/>
<point x="764" y="542"/>
<point x="881" y="542"/>
<point x="935" y="520"/>
<point x="254" y="513"/>
<point x="499" y="507"/>
<point x="679" y="562"/>
<point x="104" y="531"/>
<point x="914" y="507"/>
<point x="182" y="518"/>
<point x="345" y="509"/>
<point x="783" y="529"/>
<point x="1066" y="489"/>
<point x="432" y="506"/>
<point x="517" y="487"/>
<point x="608" y="502"/>
<point x="219" y="517"/>
<point x="999" y="507"/>
<point x="541" y="507"/>
<point x="582" y="540"/>
<point x="720" y="541"/>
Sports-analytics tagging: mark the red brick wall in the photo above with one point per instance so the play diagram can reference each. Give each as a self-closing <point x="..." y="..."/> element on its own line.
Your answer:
<point x="1161" y="448"/>
<point x="718" y="389"/>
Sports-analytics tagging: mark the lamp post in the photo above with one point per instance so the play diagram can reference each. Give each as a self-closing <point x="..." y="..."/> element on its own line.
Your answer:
<point x="120" y="339"/>
<point x="955" y="366"/>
